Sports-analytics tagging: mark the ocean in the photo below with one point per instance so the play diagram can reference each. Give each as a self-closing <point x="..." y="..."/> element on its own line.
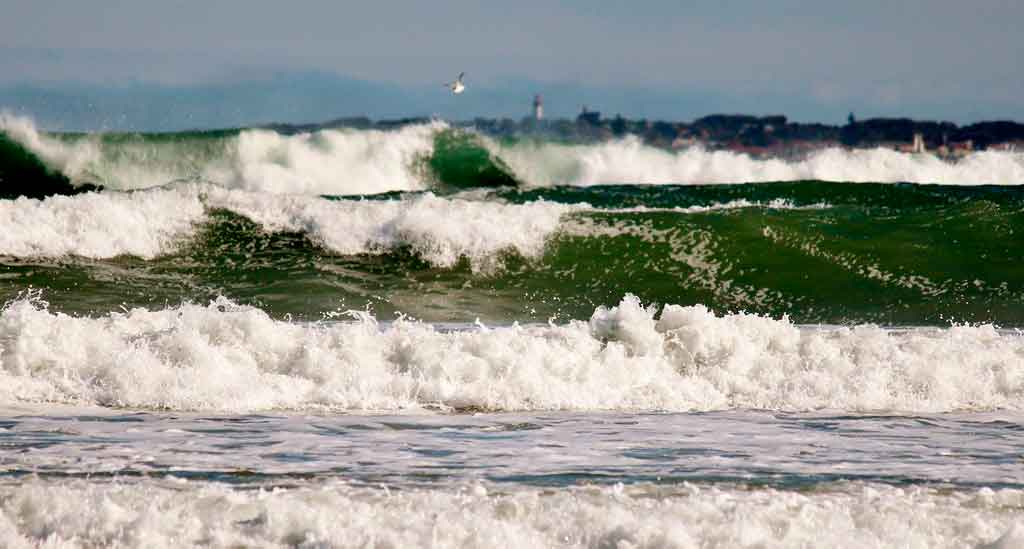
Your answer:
<point x="428" y="337"/>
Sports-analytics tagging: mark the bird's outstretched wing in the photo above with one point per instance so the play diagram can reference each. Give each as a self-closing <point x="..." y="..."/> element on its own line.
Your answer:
<point x="461" y="74"/>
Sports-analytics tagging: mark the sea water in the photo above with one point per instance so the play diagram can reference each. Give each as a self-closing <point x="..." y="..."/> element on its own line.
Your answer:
<point x="337" y="339"/>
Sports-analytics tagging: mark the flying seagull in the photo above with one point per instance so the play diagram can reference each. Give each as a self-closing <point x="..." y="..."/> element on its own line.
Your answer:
<point x="457" y="87"/>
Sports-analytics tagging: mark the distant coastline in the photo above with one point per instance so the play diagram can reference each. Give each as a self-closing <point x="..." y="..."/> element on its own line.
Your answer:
<point x="773" y="136"/>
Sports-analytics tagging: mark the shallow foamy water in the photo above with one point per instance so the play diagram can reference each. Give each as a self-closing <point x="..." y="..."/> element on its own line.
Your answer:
<point x="73" y="476"/>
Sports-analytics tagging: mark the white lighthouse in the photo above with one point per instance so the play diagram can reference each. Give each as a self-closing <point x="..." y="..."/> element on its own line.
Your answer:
<point x="538" y="108"/>
<point x="918" y="146"/>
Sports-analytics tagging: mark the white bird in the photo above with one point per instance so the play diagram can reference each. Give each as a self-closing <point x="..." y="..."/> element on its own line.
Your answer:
<point x="457" y="87"/>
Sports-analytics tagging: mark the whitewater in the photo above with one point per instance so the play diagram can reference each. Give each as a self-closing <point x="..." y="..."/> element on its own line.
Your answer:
<point x="427" y="336"/>
<point x="227" y="358"/>
<point x="156" y="222"/>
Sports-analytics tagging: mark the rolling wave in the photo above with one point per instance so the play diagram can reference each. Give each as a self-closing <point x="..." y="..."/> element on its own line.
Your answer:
<point x="434" y="155"/>
<point x="339" y="162"/>
<point x="157" y="222"/>
<point x="834" y="253"/>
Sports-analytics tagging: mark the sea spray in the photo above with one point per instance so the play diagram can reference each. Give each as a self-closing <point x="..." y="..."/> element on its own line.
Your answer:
<point x="328" y="162"/>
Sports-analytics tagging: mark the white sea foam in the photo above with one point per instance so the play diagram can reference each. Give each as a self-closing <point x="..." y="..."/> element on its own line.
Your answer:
<point x="630" y="161"/>
<point x="167" y="513"/>
<point x="230" y="358"/>
<point x="775" y="204"/>
<point x="155" y="222"/>
<point x="329" y="161"/>
<point x="100" y="225"/>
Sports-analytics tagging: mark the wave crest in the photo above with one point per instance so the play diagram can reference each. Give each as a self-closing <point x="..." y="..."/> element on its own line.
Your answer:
<point x="338" y="162"/>
<point x="158" y="222"/>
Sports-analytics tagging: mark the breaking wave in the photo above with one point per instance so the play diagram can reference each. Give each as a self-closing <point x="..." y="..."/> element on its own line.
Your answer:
<point x="434" y="155"/>
<point x="325" y="162"/>
<point x="630" y="161"/>
<point x="225" y="357"/>
<point x="156" y="222"/>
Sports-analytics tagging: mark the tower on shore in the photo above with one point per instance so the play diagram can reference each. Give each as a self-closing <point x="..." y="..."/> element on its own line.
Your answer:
<point x="918" y="146"/>
<point x="538" y="108"/>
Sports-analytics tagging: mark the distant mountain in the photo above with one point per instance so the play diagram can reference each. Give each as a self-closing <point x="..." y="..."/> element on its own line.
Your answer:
<point x="287" y="97"/>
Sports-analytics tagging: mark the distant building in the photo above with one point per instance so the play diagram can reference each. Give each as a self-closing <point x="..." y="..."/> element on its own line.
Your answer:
<point x="963" y="147"/>
<point x="918" y="146"/>
<point x="538" y="108"/>
<point x="1007" y="146"/>
<point x="589" y="117"/>
<point x="956" y="149"/>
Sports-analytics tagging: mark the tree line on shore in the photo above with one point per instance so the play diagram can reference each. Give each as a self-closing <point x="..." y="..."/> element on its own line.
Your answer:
<point x="724" y="130"/>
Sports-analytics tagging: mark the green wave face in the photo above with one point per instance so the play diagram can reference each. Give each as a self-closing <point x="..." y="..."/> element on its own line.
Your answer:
<point x="117" y="161"/>
<point x="331" y="161"/>
<point x="461" y="161"/>
<point x="156" y="159"/>
<point x="24" y="174"/>
<point x="833" y="253"/>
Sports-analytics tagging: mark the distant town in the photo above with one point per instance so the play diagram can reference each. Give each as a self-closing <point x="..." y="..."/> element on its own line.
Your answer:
<point x="773" y="136"/>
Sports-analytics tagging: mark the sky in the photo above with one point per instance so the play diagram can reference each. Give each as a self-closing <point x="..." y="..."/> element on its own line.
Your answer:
<point x="165" y="64"/>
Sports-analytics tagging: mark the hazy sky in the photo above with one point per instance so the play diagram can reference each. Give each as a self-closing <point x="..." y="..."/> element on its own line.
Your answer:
<point x="957" y="60"/>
